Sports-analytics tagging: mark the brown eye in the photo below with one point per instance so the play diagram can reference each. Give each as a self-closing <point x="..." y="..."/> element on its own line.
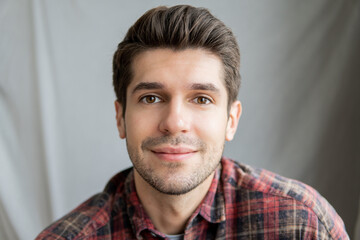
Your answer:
<point x="150" y="99"/>
<point x="202" y="100"/>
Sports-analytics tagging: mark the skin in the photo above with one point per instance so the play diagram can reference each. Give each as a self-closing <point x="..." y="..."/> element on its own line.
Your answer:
<point x="175" y="126"/>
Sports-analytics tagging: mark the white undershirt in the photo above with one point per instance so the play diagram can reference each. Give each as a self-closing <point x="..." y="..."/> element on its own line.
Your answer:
<point x="176" y="237"/>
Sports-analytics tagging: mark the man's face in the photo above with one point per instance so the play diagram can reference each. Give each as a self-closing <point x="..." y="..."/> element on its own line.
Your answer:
<point x="176" y="119"/>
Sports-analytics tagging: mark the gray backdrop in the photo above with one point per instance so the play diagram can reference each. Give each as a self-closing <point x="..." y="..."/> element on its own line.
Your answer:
<point x="58" y="138"/>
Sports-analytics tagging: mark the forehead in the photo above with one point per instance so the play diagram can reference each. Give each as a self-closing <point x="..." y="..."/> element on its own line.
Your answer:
<point x="177" y="68"/>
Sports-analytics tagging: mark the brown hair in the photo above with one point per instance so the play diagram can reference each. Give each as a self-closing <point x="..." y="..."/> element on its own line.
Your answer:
<point x="178" y="28"/>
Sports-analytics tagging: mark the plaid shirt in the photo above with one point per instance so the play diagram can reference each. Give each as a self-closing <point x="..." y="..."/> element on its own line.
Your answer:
<point x="242" y="203"/>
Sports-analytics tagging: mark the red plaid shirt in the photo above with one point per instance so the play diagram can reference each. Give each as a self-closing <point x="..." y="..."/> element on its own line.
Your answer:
<point x="242" y="203"/>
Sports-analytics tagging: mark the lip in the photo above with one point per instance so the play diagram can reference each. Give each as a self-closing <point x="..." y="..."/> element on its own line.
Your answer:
<point x="173" y="154"/>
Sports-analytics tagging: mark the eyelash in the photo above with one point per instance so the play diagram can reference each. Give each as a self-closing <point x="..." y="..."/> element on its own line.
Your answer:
<point x="158" y="99"/>
<point x="143" y="99"/>
<point x="207" y="100"/>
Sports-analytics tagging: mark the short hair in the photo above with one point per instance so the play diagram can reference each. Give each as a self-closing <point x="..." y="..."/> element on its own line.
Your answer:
<point x="178" y="28"/>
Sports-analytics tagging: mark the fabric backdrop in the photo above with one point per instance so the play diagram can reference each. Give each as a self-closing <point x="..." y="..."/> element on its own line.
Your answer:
<point x="58" y="138"/>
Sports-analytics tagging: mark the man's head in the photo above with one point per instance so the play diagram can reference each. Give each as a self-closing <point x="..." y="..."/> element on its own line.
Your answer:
<point x="176" y="74"/>
<point x="177" y="28"/>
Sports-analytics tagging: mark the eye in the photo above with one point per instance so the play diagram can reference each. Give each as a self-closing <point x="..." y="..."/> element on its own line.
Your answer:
<point x="202" y="100"/>
<point x="149" y="99"/>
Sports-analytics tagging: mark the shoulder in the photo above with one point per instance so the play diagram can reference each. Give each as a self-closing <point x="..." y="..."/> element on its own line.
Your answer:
<point x="275" y="196"/>
<point x="91" y="217"/>
<point x="87" y="217"/>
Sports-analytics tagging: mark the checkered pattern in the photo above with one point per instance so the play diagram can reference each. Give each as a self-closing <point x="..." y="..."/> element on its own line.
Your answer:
<point x="242" y="203"/>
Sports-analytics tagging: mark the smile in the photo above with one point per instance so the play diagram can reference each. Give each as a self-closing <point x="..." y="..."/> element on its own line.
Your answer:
<point x="173" y="154"/>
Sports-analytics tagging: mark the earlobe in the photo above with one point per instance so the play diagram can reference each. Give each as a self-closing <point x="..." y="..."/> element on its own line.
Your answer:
<point x="234" y="116"/>
<point x="120" y="122"/>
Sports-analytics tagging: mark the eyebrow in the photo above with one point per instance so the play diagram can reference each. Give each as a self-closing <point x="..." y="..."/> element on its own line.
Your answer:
<point x="148" y="86"/>
<point x="205" y="86"/>
<point x="195" y="86"/>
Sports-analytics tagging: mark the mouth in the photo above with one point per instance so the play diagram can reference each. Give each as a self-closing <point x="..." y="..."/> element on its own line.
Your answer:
<point x="173" y="154"/>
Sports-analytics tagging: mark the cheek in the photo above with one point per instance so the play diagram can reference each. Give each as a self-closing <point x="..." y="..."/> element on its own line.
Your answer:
<point x="138" y="127"/>
<point x="211" y="127"/>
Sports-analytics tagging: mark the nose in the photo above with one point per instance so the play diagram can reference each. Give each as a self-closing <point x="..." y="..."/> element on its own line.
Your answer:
<point x="174" y="118"/>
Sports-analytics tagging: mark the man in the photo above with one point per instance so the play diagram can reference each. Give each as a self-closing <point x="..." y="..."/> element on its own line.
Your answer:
<point x="176" y="78"/>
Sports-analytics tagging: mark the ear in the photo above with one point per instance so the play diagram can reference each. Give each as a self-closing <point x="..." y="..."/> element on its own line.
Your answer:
<point x="120" y="122"/>
<point x="234" y="116"/>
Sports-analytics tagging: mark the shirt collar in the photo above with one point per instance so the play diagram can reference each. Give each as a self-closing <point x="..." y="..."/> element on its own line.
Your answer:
<point x="137" y="215"/>
<point x="212" y="208"/>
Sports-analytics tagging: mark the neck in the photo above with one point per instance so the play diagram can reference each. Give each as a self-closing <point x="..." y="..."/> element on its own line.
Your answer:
<point x="170" y="213"/>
